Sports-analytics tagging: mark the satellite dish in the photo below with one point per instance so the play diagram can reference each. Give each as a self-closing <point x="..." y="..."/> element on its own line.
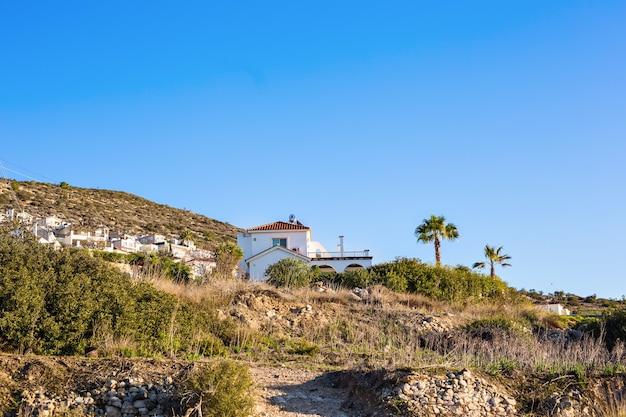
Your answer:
<point x="292" y="218"/>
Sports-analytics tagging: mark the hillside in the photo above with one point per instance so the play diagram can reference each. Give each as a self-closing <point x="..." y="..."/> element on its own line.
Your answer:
<point x="121" y="212"/>
<point x="337" y="354"/>
<point x="76" y="332"/>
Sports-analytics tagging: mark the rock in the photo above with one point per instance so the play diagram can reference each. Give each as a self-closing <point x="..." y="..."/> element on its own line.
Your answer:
<point x="451" y="395"/>
<point x="112" y="411"/>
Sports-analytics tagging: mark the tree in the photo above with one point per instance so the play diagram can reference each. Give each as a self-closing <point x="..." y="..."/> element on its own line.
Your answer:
<point x="494" y="257"/>
<point x="434" y="230"/>
<point x="186" y="237"/>
<point x="292" y="273"/>
<point x="227" y="256"/>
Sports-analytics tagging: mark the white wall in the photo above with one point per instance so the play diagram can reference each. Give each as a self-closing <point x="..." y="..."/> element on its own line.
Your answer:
<point x="244" y="241"/>
<point x="340" y="265"/>
<point x="262" y="240"/>
<point x="313" y="247"/>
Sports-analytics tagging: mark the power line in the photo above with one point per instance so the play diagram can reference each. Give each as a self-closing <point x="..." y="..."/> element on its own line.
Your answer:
<point x="4" y="162"/>
<point x="19" y="173"/>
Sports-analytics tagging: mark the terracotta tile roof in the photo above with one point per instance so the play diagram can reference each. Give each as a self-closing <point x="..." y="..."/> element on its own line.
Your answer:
<point x="280" y="226"/>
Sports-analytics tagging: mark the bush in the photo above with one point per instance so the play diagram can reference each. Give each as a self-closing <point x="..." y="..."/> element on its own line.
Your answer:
<point x="360" y="278"/>
<point x="441" y="283"/>
<point x="611" y="326"/>
<point x="298" y="346"/>
<point x="223" y="388"/>
<point x="293" y="273"/>
<point x="57" y="302"/>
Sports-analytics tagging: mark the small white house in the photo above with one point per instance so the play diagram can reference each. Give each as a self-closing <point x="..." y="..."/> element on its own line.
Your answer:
<point x="555" y="308"/>
<point x="269" y="243"/>
<point x="126" y="243"/>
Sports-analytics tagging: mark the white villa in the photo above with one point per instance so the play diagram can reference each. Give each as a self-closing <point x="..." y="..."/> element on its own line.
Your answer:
<point x="269" y="243"/>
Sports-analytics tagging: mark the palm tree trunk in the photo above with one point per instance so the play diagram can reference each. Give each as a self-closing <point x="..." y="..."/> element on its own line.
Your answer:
<point x="437" y="251"/>
<point x="493" y="270"/>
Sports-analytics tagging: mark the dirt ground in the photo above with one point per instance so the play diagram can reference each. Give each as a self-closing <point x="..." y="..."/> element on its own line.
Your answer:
<point x="297" y="393"/>
<point x="280" y="391"/>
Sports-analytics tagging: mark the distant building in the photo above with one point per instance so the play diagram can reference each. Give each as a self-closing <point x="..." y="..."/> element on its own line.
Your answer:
<point x="67" y="235"/>
<point x="555" y="308"/>
<point x="153" y="239"/>
<point x="269" y="243"/>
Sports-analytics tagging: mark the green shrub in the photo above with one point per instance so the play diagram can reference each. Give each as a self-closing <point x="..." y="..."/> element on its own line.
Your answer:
<point x="211" y="345"/>
<point x="293" y="273"/>
<point x="360" y="278"/>
<point x="611" y="326"/>
<point x="298" y="346"/>
<point x="441" y="283"/>
<point x="57" y="302"/>
<point x="224" y="388"/>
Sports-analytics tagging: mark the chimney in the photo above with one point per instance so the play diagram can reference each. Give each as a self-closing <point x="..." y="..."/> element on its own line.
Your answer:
<point x="341" y="246"/>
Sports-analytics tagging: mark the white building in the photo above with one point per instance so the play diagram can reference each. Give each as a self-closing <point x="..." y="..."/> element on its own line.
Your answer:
<point x="67" y="235"/>
<point x="22" y="216"/>
<point x="555" y="308"/>
<point x="153" y="239"/>
<point x="125" y="243"/>
<point x="269" y="243"/>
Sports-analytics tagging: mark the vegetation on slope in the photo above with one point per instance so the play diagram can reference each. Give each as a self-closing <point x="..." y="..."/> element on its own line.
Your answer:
<point x="121" y="212"/>
<point x="459" y="285"/>
<point x="61" y="302"/>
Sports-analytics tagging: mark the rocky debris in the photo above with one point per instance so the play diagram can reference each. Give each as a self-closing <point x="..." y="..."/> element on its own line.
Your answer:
<point x="359" y="294"/>
<point x="126" y="398"/>
<point x="566" y="404"/>
<point x="457" y="394"/>
<point x="434" y="324"/>
<point x="560" y="336"/>
<point x="266" y="310"/>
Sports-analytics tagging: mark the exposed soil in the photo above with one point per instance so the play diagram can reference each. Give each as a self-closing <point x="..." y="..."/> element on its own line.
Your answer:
<point x="281" y="391"/>
<point x="296" y="392"/>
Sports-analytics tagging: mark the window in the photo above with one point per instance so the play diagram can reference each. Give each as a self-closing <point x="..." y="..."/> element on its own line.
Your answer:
<point x="279" y="242"/>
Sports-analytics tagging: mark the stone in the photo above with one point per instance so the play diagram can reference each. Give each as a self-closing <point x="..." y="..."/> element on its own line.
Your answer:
<point x="139" y="404"/>
<point x="112" y="411"/>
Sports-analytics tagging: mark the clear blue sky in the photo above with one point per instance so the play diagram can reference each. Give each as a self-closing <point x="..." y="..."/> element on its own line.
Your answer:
<point x="362" y="118"/>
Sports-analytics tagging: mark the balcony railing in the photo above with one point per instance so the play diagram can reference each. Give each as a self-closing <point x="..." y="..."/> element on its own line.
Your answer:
<point x="344" y="254"/>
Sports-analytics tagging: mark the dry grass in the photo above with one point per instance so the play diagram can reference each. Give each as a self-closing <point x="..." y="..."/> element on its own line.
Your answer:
<point x="218" y="294"/>
<point x="7" y="386"/>
<point x="386" y="329"/>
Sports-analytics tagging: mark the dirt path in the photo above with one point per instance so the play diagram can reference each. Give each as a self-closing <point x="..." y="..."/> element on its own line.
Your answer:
<point x="286" y="392"/>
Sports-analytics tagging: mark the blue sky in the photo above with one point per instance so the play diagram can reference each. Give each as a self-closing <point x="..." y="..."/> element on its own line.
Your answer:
<point x="362" y="118"/>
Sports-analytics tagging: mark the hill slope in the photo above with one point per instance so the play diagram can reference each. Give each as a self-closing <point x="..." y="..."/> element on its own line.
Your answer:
<point x="121" y="212"/>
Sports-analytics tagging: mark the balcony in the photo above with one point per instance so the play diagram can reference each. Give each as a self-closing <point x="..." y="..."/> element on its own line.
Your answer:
<point x="363" y="254"/>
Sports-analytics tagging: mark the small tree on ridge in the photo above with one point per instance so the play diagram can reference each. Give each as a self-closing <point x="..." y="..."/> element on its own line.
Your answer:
<point x="494" y="257"/>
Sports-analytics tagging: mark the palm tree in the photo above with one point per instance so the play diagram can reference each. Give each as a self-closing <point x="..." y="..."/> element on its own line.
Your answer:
<point x="435" y="229"/>
<point x="494" y="257"/>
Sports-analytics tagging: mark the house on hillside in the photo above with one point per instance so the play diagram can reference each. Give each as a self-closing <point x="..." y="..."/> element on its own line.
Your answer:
<point x="555" y="308"/>
<point x="50" y="222"/>
<point x="68" y="235"/>
<point x="21" y="216"/>
<point x="45" y="235"/>
<point x="269" y="243"/>
<point x="202" y="263"/>
<point x="121" y="242"/>
<point x="153" y="239"/>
